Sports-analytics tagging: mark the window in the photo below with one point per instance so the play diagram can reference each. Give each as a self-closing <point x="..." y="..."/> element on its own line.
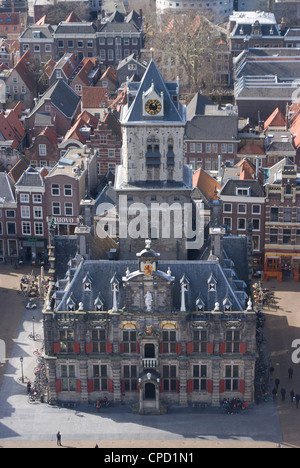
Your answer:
<point x="99" y="341"/>
<point x="69" y="209"/>
<point x="10" y="213"/>
<point x="78" y="88"/>
<point x="200" y="341"/>
<point x="199" y="147"/>
<point x="256" y="242"/>
<point x="103" y="139"/>
<point x="287" y="215"/>
<point x="111" y="153"/>
<point x="256" y="224"/>
<point x="68" y="378"/>
<point x="102" y="41"/>
<point x="244" y="192"/>
<point x="1" y="229"/>
<point x="287" y="236"/>
<point x="169" y="378"/>
<point x="11" y="229"/>
<point x="12" y="248"/>
<point x="25" y="212"/>
<point x="61" y="44"/>
<point x="227" y="208"/>
<point x="56" y="208"/>
<point x="256" y="209"/>
<point x="37" y="198"/>
<point x="110" y="55"/>
<point x="42" y="150"/>
<point x="192" y="147"/>
<point x="231" y="378"/>
<point x="228" y="222"/>
<point x="242" y="209"/>
<point x="24" y="198"/>
<point x="169" y="342"/>
<point x="274" y="215"/>
<point x="232" y="341"/>
<point x="48" y="48"/>
<point x="199" y="378"/>
<point x="223" y="148"/>
<point x="26" y="228"/>
<point x="70" y="44"/>
<point x="241" y="224"/>
<point x="230" y="148"/>
<point x="100" y="378"/>
<point x="90" y="43"/>
<point x="273" y="236"/>
<point x="66" y="338"/>
<point x="55" y="190"/>
<point x="38" y="212"/>
<point x="129" y="341"/>
<point x="68" y="190"/>
<point x="38" y="229"/>
<point x="110" y="41"/>
<point x="130" y="375"/>
<point x="208" y="148"/>
<point x="80" y="44"/>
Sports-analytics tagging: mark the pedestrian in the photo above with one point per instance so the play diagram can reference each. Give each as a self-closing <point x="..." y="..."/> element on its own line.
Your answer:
<point x="98" y="406"/>
<point x="277" y="383"/>
<point x="290" y="372"/>
<point x="29" y="388"/>
<point x="283" y="392"/>
<point x="292" y="393"/>
<point x="274" y="393"/>
<point x="58" y="439"/>
<point x="297" y="400"/>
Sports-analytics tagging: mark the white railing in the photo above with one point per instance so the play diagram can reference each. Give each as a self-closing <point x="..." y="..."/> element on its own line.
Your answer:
<point x="149" y="363"/>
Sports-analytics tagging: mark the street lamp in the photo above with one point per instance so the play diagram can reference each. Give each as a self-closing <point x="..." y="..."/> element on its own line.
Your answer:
<point x="33" y="333"/>
<point x="21" y="360"/>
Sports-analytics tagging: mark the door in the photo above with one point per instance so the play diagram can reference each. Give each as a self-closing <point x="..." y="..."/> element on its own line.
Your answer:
<point x="150" y="393"/>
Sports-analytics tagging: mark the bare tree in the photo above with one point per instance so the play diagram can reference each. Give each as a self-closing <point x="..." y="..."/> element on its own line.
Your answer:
<point x="189" y="42"/>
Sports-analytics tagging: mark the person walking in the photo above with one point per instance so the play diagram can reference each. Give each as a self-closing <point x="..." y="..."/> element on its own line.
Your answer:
<point x="292" y="394"/>
<point x="58" y="439"/>
<point x="283" y="393"/>
<point x="277" y="383"/>
<point x="290" y="373"/>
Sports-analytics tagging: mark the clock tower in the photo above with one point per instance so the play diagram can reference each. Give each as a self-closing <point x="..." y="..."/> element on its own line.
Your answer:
<point x="153" y="170"/>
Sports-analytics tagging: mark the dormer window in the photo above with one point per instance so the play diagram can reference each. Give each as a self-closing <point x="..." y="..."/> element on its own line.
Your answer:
<point x="227" y="304"/>
<point x="200" y="305"/>
<point x="243" y="192"/>
<point x="87" y="283"/>
<point x="212" y="283"/>
<point x="99" y="304"/>
<point x="71" y="305"/>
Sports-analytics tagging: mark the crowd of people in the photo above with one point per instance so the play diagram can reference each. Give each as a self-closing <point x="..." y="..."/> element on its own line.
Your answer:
<point x="294" y="397"/>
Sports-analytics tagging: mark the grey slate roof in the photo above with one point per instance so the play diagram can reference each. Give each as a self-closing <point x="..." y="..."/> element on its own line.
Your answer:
<point x="284" y="70"/>
<point x="62" y="97"/>
<point x="101" y="272"/>
<point x="75" y="28"/>
<point x="46" y="31"/>
<point x="6" y="189"/>
<point x="229" y="188"/>
<point x="30" y="178"/>
<point x="197" y="106"/>
<point x="135" y="112"/>
<point x="212" y="128"/>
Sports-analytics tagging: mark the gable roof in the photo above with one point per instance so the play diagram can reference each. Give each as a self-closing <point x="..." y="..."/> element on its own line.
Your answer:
<point x="151" y="77"/>
<point x="62" y="97"/>
<point x="276" y="119"/>
<point x="25" y="71"/>
<point x="207" y="185"/>
<point x="93" y="96"/>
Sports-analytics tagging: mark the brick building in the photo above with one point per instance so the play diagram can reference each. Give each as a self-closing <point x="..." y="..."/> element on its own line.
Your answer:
<point x="9" y="247"/>
<point x="282" y="234"/>
<point x="31" y="217"/>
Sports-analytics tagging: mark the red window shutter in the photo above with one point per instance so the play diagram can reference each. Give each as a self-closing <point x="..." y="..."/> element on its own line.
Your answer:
<point x="109" y="348"/>
<point x="243" y="348"/>
<point x="242" y="386"/>
<point x="137" y="386"/>
<point x="222" y="386"/>
<point x="121" y="348"/>
<point x="178" y="348"/>
<point x="89" y="348"/>
<point x="56" y="348"/>
<point x="190" y="386"/>
<point x="209" y="386"/>
<point x="189" y="348"/>
<point x="58" y="386"/>
<point x="78" y="386"/>
<point x="222" y="348"/>
<point x="77" y="348"/>
<point x="177" y="386"/>
<point x="210" y="348"/>
<point x="161" y="386"/>
<point x="138" y="348"/>
<point x="90" y="386"/>
<point x="110" y="386"/>
<point x="161" y="348"/>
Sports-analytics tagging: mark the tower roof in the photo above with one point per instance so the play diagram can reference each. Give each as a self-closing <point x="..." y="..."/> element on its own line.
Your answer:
<point x="174" y="111"/>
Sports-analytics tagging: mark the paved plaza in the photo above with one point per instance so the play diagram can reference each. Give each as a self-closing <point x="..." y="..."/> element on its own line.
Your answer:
<point x="36" y="425"/>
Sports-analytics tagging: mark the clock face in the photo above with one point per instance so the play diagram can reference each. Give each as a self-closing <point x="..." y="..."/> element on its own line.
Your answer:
<point x="153" y="106"/>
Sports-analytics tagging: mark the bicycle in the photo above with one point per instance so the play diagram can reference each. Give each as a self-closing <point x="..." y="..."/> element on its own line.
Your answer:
<point x="34" y="337"/>
<point x="37" y="353"/>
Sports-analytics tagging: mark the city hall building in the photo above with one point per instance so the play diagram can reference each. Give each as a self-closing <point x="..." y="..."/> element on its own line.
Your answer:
<point x="152" y="327"/>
